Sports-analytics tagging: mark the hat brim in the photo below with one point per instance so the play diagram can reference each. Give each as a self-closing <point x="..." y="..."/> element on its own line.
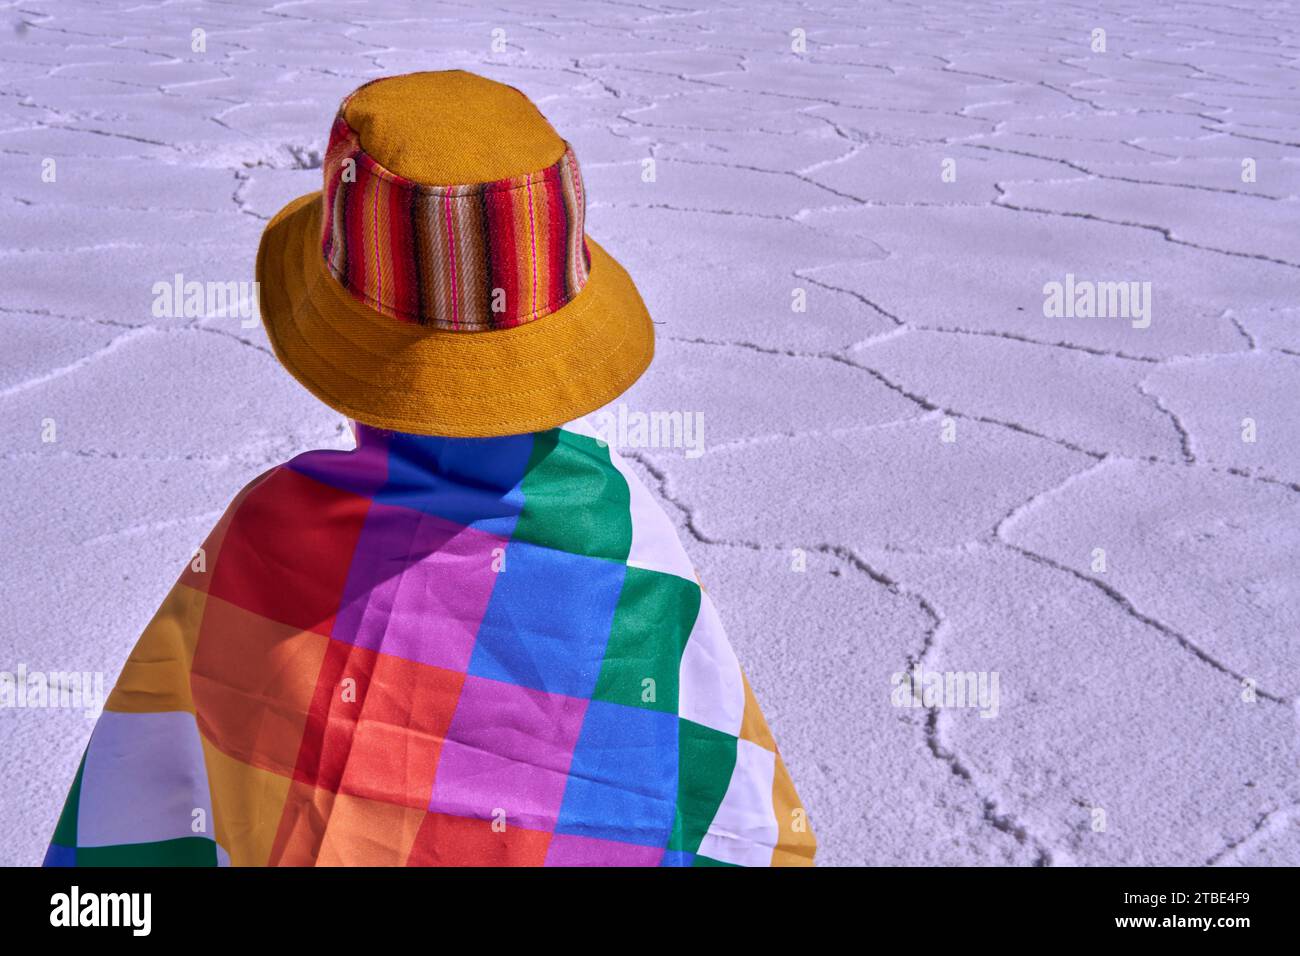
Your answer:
<point x="407" y="377"/>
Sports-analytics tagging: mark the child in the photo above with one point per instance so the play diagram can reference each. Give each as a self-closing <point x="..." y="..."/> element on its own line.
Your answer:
<point x="475" y="639"/>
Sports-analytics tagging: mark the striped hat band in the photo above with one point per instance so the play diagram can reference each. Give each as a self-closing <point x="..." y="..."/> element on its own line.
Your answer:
<point x="468" y="258"/>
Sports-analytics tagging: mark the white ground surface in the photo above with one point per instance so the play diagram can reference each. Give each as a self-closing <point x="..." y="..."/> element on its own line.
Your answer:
<point x="1120" y="690"/>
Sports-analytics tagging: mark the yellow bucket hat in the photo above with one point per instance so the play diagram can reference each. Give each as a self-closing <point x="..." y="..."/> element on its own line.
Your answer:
<point x="441" y="282"/>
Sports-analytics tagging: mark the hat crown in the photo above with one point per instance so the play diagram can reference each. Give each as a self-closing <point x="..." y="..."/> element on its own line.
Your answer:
<point x="451" y="128"/>
<point x="420" y="224"/>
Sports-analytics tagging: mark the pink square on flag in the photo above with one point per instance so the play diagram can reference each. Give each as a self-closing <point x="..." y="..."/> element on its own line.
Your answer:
<point x="567" y="849"/>
<point x="418" y="587"/>
<point x="507" y="754"/>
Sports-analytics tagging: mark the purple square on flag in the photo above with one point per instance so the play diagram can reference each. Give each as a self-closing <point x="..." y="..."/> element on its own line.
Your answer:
<point x="508" y="749"/>
<point x="418" y="587"/>
<point x="362" y="471"/>
<point x="569" y="850"/>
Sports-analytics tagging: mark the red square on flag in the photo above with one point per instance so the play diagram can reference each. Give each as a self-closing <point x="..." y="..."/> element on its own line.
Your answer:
<point x="303" y="533"/>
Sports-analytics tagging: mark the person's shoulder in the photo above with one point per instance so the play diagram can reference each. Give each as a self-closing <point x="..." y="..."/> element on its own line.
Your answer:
<point x="254" y="489"/>
<point x="294" y="494"/>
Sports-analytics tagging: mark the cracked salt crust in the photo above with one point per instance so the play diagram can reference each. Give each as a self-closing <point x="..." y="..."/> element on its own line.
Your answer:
<point x="1121" y="689"/>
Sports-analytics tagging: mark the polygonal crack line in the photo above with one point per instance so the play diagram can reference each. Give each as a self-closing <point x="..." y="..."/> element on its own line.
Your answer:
<point x="1184" y="436"/>
<point x="1080" y="168"/>
<point x="932" y="409"/>
<point x="925" y="403"/>
<point x="1001" y="202"/>
<point x="1269" y="824"/>
<point x="922" y="326"/>
<point x="853" y="293"/>
<point x="1125" y="604"/>
<point x="112" y="345"/>
<point x="116" y="135"/>
<point x="1251" y="342"/>
<point x="695" y="210"/>
<point x="989" y="798"/>
<point x="931" y="405"/>
<point x="248" y="343"/>
<point x="1018" y="337"/>
<point x="835" y="434"/>
<point x="997" y="539"/>
<point x="794" y="174"/>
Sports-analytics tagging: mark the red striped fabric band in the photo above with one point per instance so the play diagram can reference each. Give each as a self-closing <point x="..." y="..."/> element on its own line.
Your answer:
<point x="467" y="258"/>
